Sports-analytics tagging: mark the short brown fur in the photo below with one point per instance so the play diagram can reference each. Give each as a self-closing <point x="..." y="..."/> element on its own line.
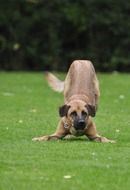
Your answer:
<point x="81" y="95"/>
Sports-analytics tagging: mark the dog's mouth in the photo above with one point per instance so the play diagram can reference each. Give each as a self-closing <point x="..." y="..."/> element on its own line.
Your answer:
<point x="77" y="132"/>
<point x="78" y="128"/>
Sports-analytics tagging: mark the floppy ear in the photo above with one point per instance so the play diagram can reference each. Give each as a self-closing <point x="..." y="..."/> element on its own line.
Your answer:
<point x="91" y="110"/>
<point x="63" y="110"/>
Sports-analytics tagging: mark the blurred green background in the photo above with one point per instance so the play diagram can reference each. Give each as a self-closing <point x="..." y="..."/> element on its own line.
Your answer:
<point x="49" y="35"/>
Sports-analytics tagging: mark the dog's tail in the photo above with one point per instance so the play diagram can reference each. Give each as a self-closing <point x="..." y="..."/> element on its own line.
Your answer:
<point x="54" y="82"/>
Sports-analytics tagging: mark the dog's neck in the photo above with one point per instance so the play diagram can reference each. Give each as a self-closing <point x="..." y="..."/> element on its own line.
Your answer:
<point x="67" y="123"/>
<point x="81" y="97"/>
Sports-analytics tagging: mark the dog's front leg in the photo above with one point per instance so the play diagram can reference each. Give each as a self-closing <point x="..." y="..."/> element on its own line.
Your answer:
<point x="92" y="134"/>
<point x="59" y="134"/>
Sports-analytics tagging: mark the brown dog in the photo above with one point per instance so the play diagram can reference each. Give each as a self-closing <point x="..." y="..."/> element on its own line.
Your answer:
<point x="81" y="94"/>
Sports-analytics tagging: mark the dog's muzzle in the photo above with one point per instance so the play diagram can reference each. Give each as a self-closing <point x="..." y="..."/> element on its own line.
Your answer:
<point x="80" y="124"/>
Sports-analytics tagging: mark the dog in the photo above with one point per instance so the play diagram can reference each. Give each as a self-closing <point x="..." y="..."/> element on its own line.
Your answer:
<point x="81" y="96"/>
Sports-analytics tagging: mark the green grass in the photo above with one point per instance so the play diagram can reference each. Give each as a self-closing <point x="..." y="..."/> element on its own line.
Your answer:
<point x="29" y="108"/>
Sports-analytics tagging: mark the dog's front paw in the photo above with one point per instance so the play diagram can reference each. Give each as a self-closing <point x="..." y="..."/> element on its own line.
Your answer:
<point x="104" y="140"/>
<point x="44" y="138"/>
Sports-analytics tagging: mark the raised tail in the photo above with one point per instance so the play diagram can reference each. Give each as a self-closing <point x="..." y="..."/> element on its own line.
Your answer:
<point x="54" y="82"/>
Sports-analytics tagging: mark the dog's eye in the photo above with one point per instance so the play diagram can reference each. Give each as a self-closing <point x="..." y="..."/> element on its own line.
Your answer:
<point x="84" y="113"/>
<point x="74" y="114"/>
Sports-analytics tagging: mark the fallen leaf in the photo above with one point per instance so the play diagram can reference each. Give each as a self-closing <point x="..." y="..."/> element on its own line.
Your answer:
<point x="67" y="177"/>
<point x="20" y="121"/>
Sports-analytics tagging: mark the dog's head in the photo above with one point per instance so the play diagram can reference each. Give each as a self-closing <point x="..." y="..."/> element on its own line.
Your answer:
<point x="78" y="113"/>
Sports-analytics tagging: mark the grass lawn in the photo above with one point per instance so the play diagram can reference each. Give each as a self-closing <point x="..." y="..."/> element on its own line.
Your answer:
<point x="29" y="108"/>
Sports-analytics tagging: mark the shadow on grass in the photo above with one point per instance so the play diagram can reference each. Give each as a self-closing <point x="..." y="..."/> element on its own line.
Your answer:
<point x="71" y="138"/>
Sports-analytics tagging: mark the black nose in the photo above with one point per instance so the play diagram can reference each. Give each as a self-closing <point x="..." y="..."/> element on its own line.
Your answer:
<point x="80" y="125"/>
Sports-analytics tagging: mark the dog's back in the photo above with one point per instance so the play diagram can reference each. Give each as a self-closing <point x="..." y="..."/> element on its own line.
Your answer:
<point x="81" y="79"/>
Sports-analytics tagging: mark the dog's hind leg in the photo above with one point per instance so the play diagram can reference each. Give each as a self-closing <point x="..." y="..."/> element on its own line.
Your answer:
<point x="96" y="91"/>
